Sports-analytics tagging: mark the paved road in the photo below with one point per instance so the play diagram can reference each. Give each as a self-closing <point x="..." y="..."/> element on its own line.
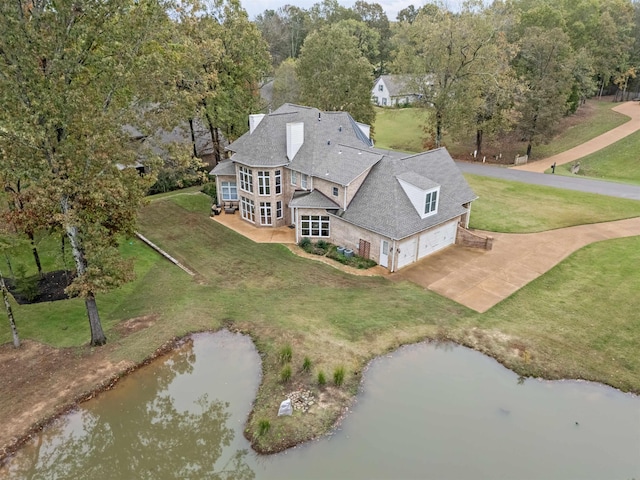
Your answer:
<point x="611" y="189"/>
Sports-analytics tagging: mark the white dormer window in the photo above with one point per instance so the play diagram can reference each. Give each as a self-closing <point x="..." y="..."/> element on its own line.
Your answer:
<point x="431" y="202"/>
<point x="422" y="192"/>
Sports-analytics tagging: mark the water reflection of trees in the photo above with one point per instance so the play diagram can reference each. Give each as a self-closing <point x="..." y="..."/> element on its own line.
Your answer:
<point x="145" y="438"/>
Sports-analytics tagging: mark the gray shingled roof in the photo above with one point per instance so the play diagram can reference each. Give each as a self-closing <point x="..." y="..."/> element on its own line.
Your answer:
<point x="399" y="85"/>
<point x="313" y="199"/>
<point x="333" y="143"/>
<point x="382" y="206"/>
<point x="225" y="167"/>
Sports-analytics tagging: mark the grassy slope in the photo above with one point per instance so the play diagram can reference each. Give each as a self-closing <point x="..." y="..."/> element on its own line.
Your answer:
<point x="560" y="325"/>
<point x="400" y="128"/>
<point x="534" y="208"/>
<point x="602" y="120"/>
<point x="618" y="162"/>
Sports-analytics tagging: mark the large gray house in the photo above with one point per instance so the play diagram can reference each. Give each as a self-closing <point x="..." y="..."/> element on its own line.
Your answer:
<point x="320" y="173"/>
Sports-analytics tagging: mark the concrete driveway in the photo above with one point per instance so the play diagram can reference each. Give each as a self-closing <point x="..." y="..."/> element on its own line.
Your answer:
<point x="479" y="279"/>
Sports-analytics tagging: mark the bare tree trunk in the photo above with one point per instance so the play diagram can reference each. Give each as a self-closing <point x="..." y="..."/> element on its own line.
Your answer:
<point x="193" y="138"/>
<point x="529" y="149"/>
<point x="438" y="128"/>
<point x="7" y="306"/>
<point x="97" y="334"/>
<point x="479" y="134"/>
<point x="36" y="257"/>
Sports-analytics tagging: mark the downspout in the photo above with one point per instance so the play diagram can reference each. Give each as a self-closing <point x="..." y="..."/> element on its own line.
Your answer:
<point x="344" y="202"/>
<point x="295" y="222"/>
<point x="393" y="257"/>
<point x="466" y="223"/>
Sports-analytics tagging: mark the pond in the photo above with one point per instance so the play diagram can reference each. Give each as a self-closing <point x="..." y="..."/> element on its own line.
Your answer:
<point x="425" y="411"/>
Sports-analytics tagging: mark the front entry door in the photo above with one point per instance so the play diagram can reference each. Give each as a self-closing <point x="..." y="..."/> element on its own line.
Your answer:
<point x="384" y="254"/>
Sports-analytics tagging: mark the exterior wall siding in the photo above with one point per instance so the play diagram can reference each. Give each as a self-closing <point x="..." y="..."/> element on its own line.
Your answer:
<point x="354" y="186"/>
<point x="326" y="188"/>
<point x="347" y="235"/>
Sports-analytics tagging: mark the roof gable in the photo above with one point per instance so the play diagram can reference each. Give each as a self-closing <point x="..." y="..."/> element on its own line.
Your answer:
<point x="383" y="205"/>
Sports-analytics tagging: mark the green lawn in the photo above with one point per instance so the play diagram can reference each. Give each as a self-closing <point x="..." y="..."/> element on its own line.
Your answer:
<point x="399" y="129"/>
<point x="402" y="129"/>
<point x="603" y="120"/>
<point x="534" y="208"/>
<point x="619" y="162"/>
<point x="578" y="320"/>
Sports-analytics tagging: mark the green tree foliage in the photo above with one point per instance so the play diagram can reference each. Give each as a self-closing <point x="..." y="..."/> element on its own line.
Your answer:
<point x="334" y="74"/>
<point x="284" y="30"/>
<point x="452" y="57"/>
<point x="376" y="19"/>
<point x="286" y="88"/>
<point x="544" y="66"/>
<point x="72" y="74"/>
<point x="241" y="62"/>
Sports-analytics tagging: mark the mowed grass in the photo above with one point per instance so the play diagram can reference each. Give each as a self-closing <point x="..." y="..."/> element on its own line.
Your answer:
<point x="580" y="319"/>
<point x="403" y="130"/>
<point x="619" y="162"/>
<point x="535" y="208"/>
<point x="400" y="129"/>
<point x="338" y="320"/>
<point x="601" y="119"/>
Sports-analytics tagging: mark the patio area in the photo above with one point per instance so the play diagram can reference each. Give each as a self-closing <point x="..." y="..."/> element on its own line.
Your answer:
<point x="259" y="235"/>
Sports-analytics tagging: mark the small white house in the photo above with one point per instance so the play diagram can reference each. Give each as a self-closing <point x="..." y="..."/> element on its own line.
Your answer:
<point x="392" y="90"/>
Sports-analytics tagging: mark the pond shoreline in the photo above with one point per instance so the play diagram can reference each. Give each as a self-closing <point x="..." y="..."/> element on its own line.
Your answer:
<point x="341" y="406"/>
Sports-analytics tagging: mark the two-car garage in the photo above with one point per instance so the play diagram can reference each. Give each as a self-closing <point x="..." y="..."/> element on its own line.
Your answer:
<point x="417" y="247"/>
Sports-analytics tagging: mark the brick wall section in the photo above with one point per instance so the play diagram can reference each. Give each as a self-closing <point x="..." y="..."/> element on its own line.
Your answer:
<point x="467" y="238"/>
<point x="347" y="235"/>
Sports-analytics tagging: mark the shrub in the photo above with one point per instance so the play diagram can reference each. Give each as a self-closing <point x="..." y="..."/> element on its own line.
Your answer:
<point x="210" y="189"/>
<point x="321" y="379"/>
<point x="26" y="286"/>
<point x="285" y="354"/>
<point x="323" y="244"/>
<point x="285" y="373"/>
<point x="305" y="244"/>
<point x="338" y="376"/>
<point x="306" y="364"/>
<point x="264" y="426"/>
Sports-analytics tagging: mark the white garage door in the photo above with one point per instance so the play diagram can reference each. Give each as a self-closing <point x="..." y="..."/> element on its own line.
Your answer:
<point x="437" y="239"/>
<point x="407" y="252"/>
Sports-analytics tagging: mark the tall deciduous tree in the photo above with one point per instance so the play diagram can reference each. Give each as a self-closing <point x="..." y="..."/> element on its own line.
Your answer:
<point x="544" y="66"/>
<point x="450" y="56"/>
<point x="72" y="74"/>
<point x="286" y="88"/>
<point x="334" y="74"/>
<point x="240" y="65"/>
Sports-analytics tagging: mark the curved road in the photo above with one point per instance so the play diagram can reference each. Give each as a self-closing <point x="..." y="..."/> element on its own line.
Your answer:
<point x="581" y="184"/>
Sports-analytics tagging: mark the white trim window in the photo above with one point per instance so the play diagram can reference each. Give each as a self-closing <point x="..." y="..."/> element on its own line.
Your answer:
<point x="381" y="88"/>
<point x="264" y="186"/>
<point x="248" y="209"/>
<point x="314" y="226"/>
<point x="303" y="181"/>
<point x="278" y="181"/>
<point x="431" y="202"/>
<point x="265" y="213"/>
<point x="246" y="179"/>
<point x="229" y="191"/>
<point x="335" y="191"/>
<point x="279" y="213"/>
<point x="294" y="177"/>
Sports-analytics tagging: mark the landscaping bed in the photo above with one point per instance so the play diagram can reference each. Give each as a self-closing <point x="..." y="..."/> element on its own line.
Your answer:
<point x="339" y="254"/>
